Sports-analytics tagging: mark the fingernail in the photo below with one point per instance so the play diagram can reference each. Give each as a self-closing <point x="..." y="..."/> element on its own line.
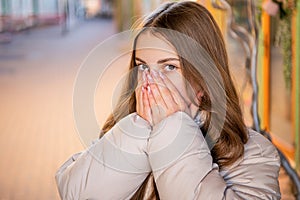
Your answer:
<point x="161" y="75"/>
<point x="143" y="89"/>
<point x="148" y="89"/>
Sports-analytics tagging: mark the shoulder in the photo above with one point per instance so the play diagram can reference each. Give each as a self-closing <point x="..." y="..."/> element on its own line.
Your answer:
<point x="259" y="146"/>
<point x="257" y="151"/>
<point x="256" y="173"/>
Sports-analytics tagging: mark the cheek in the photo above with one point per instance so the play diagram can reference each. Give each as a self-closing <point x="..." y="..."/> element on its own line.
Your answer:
<point x="178" y="80"/>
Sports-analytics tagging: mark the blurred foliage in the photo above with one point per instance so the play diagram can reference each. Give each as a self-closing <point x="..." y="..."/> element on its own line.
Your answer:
<point x="284" y="38"/>
<point x="283" y="33"/>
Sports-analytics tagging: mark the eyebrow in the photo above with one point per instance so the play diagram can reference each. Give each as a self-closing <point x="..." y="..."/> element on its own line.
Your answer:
<point x="138" y="59"/>
<point x="160" y="61"/>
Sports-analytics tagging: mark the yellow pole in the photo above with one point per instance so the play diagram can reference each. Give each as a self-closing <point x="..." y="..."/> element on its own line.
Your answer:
<point x="265" y="80"/>
<point x="219" y="15"/>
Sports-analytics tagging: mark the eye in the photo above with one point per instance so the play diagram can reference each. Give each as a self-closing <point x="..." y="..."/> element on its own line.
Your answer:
<point x="142" y="67"/>
<point x="170" y="68"/>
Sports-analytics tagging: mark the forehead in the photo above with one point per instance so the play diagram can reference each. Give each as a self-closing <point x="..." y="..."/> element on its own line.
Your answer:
<point x="149" y="45"/>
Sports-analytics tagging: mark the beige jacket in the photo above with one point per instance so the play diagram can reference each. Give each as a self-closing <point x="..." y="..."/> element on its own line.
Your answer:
<point x="176" y="152"/>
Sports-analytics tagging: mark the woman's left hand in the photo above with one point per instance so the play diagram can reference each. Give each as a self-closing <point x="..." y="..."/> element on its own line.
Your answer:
<point x="162" y="97"/>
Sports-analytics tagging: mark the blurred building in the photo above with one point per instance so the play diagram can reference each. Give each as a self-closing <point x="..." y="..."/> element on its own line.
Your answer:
<point x="18" y="15"/>
<point x="21" y="14"/>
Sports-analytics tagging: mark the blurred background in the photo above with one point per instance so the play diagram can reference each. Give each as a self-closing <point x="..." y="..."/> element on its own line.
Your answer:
<point x="44" y="42"/>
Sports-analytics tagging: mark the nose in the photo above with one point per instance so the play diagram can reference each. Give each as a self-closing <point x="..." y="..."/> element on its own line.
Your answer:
<point x="153" y="71"/>
<point x="153" y="67"/>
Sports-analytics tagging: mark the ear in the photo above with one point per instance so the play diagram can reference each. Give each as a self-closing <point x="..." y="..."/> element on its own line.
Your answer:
<point x="200" y="94"/>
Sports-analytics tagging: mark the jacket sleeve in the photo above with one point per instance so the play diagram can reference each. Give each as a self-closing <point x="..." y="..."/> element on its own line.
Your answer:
<point x="183" y="167"/>
<point x="112" y="168"/>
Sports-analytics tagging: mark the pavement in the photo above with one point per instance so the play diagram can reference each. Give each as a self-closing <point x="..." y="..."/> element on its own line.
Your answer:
<point x="38" y="69"/>
<point x="37" y="74"/>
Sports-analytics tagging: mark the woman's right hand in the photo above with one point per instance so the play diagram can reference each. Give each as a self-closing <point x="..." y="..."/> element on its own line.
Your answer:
<point x="158" y="98"/>
<point x="142" y="103"/>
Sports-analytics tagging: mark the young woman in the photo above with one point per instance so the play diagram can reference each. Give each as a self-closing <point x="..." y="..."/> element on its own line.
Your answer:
<point x="178" y="130"/>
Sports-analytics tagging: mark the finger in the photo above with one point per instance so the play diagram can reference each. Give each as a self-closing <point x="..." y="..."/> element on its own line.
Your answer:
<point x="175" y="93"/>
<point x="164" y="91"/>
<point x="155" y="92"/>
<point x="146" y="106"/>
<point x="144" y="78"/>
<point x="155" y="111"/>
<point x="138" y="96"/>
<point x="150" y="96"/>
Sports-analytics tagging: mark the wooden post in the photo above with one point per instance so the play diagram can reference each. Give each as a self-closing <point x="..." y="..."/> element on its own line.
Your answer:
<point x="264" y="70"/>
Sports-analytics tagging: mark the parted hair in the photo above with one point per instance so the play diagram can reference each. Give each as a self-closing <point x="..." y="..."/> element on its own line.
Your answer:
<point x="195" y="21"/>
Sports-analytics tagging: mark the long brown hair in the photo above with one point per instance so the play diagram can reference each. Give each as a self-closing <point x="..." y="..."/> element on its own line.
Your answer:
<point x="196" y="22"/>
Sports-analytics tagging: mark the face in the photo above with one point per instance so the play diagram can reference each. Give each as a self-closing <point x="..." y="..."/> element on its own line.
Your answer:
<point x="154" y="53"/>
